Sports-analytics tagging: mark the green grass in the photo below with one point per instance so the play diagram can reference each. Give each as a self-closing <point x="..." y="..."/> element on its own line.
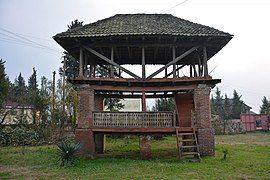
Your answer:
<point x="248" y="158"/>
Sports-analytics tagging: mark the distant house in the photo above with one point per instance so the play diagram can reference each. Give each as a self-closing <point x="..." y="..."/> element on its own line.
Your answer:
<point x="14" y="113"/>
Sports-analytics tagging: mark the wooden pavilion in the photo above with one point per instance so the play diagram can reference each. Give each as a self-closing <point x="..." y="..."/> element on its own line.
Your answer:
<point x="144" y="39"/>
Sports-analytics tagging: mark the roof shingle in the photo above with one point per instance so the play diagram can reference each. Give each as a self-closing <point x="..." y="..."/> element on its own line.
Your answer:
<point x="142" y="24"/>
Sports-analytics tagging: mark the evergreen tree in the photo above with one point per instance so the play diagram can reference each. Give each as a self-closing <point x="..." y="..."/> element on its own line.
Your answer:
<point x="114" y="104"/>
<point x="265" y="108"/>
<point x="33" y="94"/>
<point x="164" y="104"/>
<point x="72" y="65"/>
<point x="218" y="103"/>
<point x="4" y="82"/>
<point x="237" y="105"/>
<point x="20" y="90"/>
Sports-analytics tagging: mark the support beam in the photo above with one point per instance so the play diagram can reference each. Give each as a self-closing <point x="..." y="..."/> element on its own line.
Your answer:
<point x="178" y="68"/>
<point x="172" y="62"/>
<point x="81" y="63"/>
<point x="143" y="63"/>
<point x="143" y="102"/>
<point x="205" y="61"/>
<point x="174" y="65"/>
<point x="111" y="66"/>
<point x="112" y="63"/>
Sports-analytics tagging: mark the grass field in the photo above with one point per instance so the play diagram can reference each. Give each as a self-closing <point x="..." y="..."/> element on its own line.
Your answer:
<point x="249" y="158"/>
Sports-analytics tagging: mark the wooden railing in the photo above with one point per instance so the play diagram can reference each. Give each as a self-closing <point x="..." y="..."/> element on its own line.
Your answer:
<point x="134" y="119"/>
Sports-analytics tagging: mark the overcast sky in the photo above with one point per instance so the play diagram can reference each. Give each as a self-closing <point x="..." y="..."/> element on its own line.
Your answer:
<point x="27" y="27"/>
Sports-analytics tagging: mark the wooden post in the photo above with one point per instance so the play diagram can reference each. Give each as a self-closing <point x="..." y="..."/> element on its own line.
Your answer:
<point x="143" y="63"/>
<point x="174" y="65"/>
<point x="205" y="62"/>
<point x="111" y="66"/>
<point x="81" y="63"/>
<point x="85" y="66"/>
<point x="143" y="102"/>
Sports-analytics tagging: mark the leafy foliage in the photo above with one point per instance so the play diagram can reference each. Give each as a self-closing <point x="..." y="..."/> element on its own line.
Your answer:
<point x="164" y="104"/>
<point x="265" y="108"/>
<point x="68" y="153"/>
<point x="4" y="82"/>
<point x="228" y="108"/>
<point x="18" y="136"/>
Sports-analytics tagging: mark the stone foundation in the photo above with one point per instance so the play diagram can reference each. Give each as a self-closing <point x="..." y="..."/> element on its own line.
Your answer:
<point x="145" y="147"/>
<point x="206" y="142"/>
<point x="86" y="138"/>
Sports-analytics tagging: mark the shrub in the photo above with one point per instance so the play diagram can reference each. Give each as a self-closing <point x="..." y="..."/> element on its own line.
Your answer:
<point x="18" y="136"/>
<point x="68" y="153"/>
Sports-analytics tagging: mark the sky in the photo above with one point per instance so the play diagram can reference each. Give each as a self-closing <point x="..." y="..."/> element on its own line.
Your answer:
<point x="27" y="27"/>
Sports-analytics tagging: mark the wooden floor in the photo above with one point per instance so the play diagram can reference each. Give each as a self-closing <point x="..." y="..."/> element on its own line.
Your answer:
<point x="142" y="130"/>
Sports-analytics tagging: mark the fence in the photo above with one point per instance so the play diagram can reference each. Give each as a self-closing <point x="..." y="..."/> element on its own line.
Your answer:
<point x="134" y="119"/>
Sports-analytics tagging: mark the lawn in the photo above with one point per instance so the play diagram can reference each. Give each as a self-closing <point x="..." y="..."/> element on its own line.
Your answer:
<point x="249" y="158"/>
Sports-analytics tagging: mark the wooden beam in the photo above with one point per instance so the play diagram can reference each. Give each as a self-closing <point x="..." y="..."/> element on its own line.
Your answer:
<point x="81" y="63"/>
<point x="178" y="68"/>
<point x="174" y="65"/>
<point x="112" y="63"/>
<point x="143" y="63"/>
<point x="111" y="66"/>
<point x="172" y="62"/>
<point x="205" y="62"/>
<point x="140" y="130"/>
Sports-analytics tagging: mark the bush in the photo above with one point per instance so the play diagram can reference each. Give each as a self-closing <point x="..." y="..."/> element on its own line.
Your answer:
<point x="68" y="153"/>
<point x="18" y="136"/>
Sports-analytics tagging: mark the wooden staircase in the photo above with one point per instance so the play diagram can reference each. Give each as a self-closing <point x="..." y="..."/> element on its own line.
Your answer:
<point x="187" y="144"/>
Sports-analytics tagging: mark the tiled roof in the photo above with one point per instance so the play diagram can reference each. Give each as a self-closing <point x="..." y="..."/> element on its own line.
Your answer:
<point x="142" y="24"/>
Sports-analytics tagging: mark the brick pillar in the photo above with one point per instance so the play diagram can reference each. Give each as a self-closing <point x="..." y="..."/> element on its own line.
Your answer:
<point x="84" y="134"/>
<point x="203" y="115"/>
<point x="145" y="146"/>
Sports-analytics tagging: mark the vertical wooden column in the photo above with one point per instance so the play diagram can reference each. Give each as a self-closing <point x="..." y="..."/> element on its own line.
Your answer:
<point x="143" y="63"/>
<point x="143" y="102"/>
<point x="111" y="66"/>
<point x="85" y="66"/>
<point x="205" y="61"/>
<point x="81" y="63"/>
<point x="174" y="65"/>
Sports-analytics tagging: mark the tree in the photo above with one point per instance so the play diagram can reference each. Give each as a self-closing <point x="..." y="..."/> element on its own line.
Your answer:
<point x="226" y="111"/>
<point x="265" y="108"/>
<point x="237" y="105"/>
<point x="72" y="65"/>
<point x="114" y="104"/>
<point x="19" y="94"/>
<point x="218" y="103"/>
<point x="164" y="104"/>
<point x="33" y="94"/>
<point x="4" y="82"/>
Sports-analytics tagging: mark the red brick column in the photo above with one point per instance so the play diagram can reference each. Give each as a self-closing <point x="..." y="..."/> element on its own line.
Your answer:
<point x="145" y="147"/>
<point x="203" y="115"/>
<point x="84" y="134"/>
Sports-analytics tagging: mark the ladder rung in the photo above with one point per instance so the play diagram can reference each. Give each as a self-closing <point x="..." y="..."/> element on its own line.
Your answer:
<point x="188" y="146"/>
<point x="187" y="140"/>
<point x="189" y="153"/>
<point x="185" y="134"/>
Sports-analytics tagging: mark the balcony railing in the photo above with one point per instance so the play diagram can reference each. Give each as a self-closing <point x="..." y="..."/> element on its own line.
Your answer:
<point x="134" y="119"/>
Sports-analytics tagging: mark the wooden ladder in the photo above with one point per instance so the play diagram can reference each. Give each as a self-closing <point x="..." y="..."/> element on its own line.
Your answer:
<point x="187" y="144"/>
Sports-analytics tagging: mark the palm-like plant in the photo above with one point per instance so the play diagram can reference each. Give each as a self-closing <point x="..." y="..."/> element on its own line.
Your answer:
<point x="68" y="153"/>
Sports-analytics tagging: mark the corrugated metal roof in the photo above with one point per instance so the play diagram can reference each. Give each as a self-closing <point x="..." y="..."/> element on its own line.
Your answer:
<point x="142" y="24"/>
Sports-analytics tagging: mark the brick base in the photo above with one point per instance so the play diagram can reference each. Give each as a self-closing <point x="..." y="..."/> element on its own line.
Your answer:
<point x="206" y="142"/>
<point x="145" y="147"/>
<point x="86" y="138"/>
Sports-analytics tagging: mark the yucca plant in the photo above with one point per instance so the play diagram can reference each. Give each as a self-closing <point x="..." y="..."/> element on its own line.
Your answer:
<point x="68" y="153"/>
